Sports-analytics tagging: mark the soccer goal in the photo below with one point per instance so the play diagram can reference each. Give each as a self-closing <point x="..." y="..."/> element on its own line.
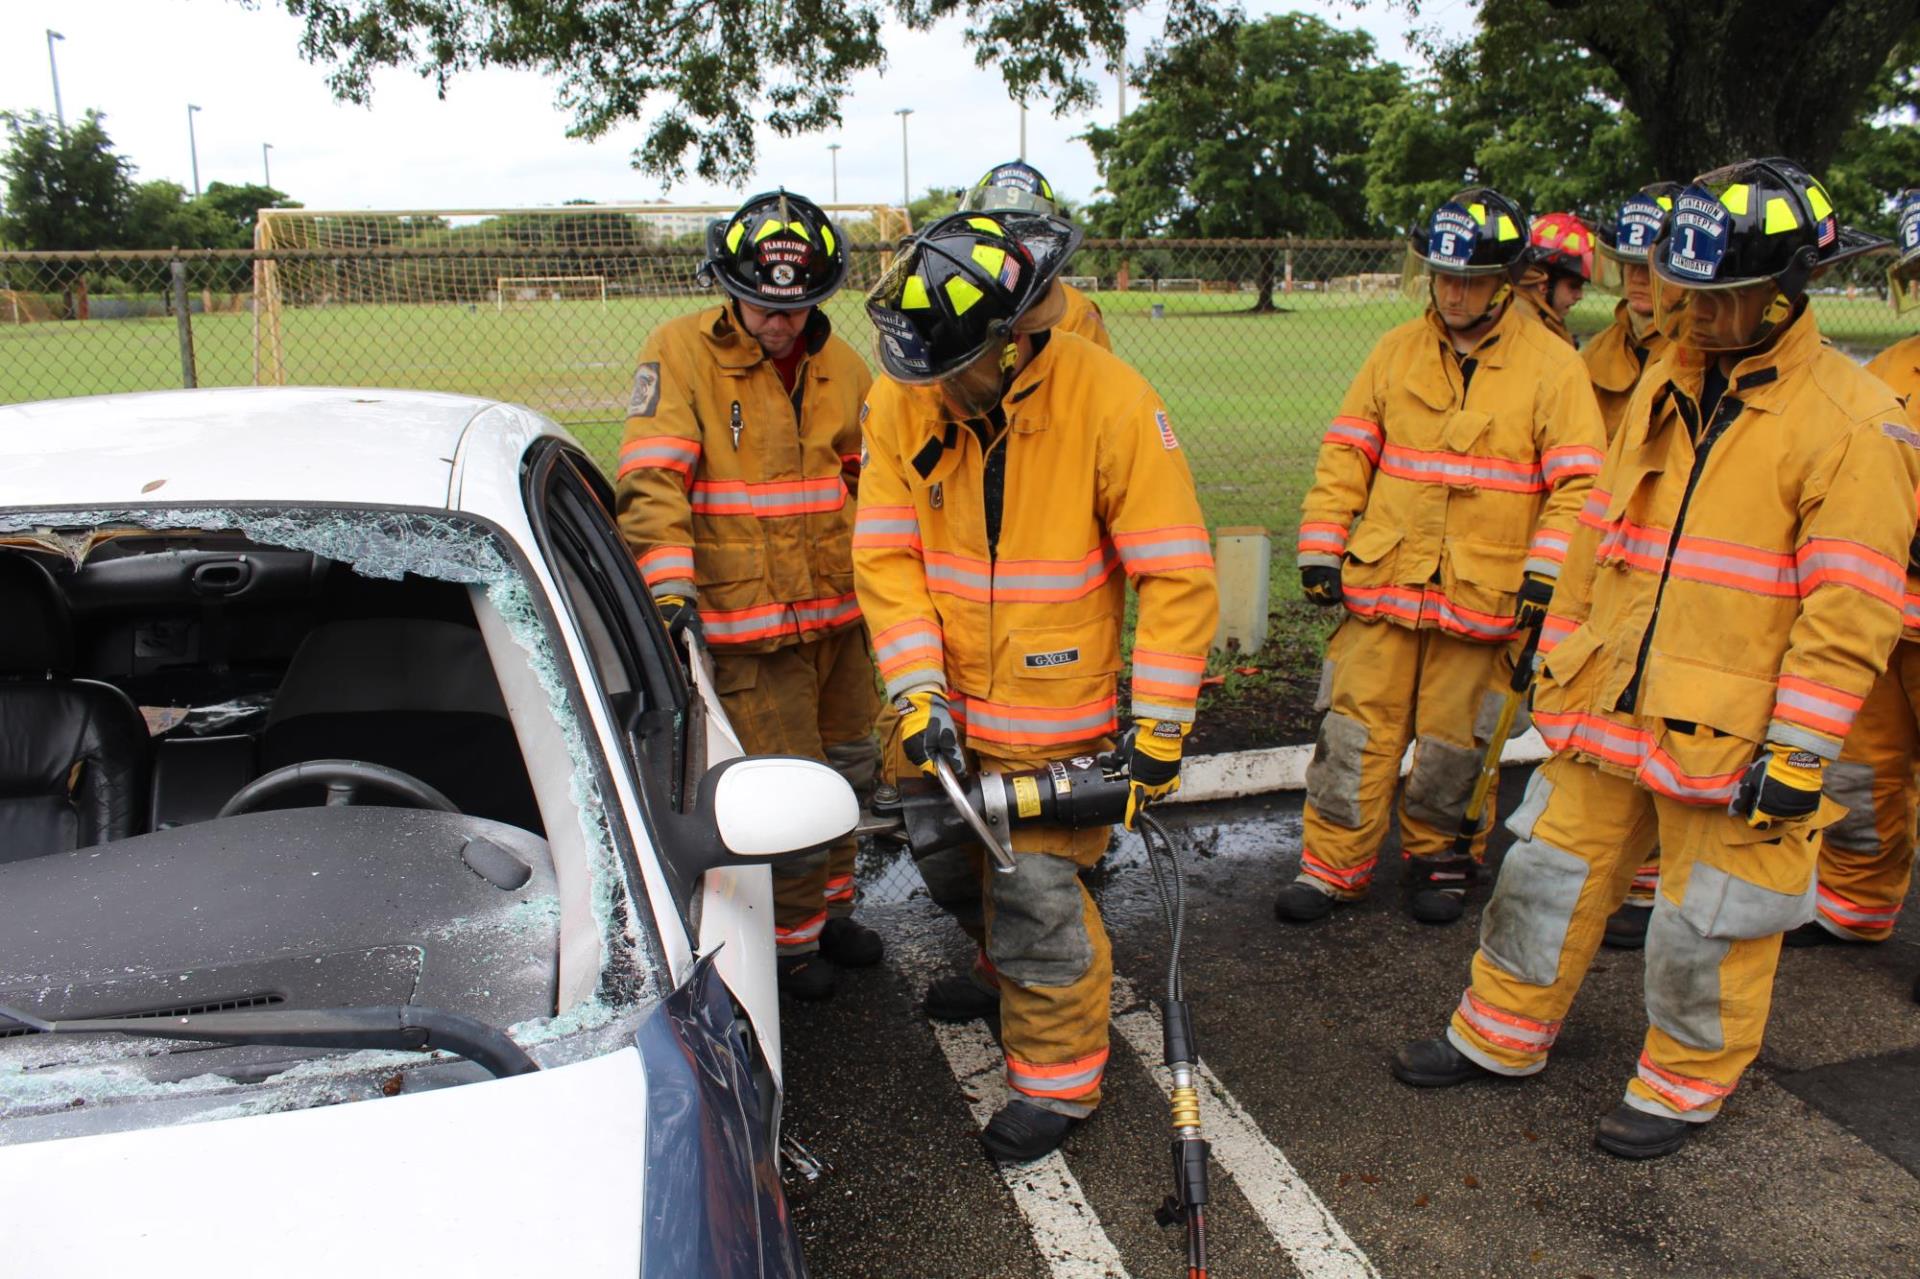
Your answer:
<point x="549" y="288"/>
<point x="1085" y="283"/>
<point x="1177" y="284"/>
<point x="638" y="260"/>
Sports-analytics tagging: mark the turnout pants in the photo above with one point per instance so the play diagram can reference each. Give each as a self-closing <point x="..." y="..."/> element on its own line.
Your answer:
<point x="817" y="700"/>
<point x="1383" y="686"/>
<point x="1040" y="939"/>
<point x="1727" y="892"/>
<point x="1866" y="862"/>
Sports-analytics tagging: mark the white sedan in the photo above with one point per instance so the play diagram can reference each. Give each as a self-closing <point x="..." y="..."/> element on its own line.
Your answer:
<point x="379" y="892"/>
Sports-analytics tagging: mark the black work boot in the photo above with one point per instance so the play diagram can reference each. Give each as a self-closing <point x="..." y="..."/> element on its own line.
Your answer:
<point x="808" y="977"/>
<point x="1627" y="927"/>
<point x="850" y="943"/>
<point x="958" y="997"/>
<point x="1301" y="903"/>
<point x="1634" y="1134"/>
<point x="1436" y="887"/>
<point x="1436" y="1063"/>
<point x="1022" y="1132"/>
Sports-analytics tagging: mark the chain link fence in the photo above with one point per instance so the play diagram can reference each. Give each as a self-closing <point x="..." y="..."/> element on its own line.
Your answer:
<point x="1251" y="343"/>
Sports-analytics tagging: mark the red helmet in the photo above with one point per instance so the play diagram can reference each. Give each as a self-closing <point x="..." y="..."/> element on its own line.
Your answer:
<point x="1562" y="242"/>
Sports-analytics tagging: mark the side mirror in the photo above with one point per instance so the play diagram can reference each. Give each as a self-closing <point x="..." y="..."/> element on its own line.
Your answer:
<point x="753" y="811"/>
<point x="772" y="807"/>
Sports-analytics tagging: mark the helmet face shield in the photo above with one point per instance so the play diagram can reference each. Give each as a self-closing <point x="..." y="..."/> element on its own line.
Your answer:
<point x="955" y="291"/>
<point x="1731" y="317"/>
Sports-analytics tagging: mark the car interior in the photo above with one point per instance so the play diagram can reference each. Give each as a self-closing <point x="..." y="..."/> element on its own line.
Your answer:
<point x="144" y="689"/>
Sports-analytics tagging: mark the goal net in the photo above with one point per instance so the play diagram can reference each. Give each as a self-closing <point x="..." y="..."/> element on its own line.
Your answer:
<point x="549" y="288"/>
<point x="635" y="261"/>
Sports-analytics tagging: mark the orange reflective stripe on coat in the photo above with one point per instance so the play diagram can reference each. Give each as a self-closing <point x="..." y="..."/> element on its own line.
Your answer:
<point x="1425" y="605"/>
<point x="1167" y="683"/>
<point x="666" y="564"/>
<point x="1065" y="1081"/>
<point x="769" y="499"/>
<point x="1357" y="433"/>
<point x="668" y="452"/>
<point x="886" y="526"/>
<point x="1164" y="550"/>
<point x="1635" y="749"/>
<point x="906" y="648"/>
<point x="1002" y="724"/>
<point x="778" y="621"/>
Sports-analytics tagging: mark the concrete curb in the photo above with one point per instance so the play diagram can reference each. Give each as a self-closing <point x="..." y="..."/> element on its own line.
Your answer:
<point x="1241" y="773"/>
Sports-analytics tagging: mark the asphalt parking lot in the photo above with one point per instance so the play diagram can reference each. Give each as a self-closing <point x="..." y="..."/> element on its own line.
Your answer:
<point x="1323" y="1165"/>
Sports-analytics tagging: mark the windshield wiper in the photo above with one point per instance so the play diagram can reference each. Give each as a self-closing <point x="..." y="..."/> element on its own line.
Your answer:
<point x="404" y="1027"/>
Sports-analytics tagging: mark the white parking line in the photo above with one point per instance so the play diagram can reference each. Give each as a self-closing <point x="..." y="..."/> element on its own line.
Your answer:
<point x="1296" y="1218"/>
<point x="1066" y="1231"/>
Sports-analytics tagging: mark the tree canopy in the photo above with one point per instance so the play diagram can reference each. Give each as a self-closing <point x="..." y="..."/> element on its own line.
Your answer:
<point x="710" y="72"/>
<point x="72" y="190"/>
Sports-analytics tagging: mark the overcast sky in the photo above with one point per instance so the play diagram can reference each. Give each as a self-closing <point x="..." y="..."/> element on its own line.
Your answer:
<point x="499" y="139"/>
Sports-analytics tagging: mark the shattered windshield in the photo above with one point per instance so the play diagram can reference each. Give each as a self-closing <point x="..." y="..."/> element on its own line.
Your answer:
<point x="230" y="663"/>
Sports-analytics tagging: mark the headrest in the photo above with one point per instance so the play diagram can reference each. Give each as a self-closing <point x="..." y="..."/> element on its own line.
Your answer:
<point x="36" y="634"/>
<point x="388" y="664"/>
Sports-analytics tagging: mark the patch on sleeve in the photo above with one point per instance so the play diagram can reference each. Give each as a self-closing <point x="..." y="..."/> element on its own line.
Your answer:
<point x="865" y="455"/>
<point x="646" y="390"/>
<point x="1906" y="435"/>
<point x="1167" y="439"/>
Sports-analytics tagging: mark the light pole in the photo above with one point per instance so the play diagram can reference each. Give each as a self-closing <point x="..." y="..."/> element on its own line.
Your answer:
<point x="1023" y="128"/>
<point x="906" y="187"/>
<point x="193" y="148"/>
<point x="834" y="147"/>
<point x="58" y="114"/>
<point x="266" y="165"/>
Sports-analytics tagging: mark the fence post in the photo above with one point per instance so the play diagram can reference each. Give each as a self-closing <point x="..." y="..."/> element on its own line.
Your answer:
<point x="183" y="323"/>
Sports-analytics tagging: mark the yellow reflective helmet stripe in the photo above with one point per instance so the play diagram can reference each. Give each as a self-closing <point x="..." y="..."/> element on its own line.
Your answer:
<point x="990" y="257"/>
<point x="1478" y="212"/>
<point x="1780" y="216"/>
<point x="1818" y="202"/>
<point x="800" y="229"/>
<point x="1507" y="230"/>
<point x="826" y="236"/>
<point x="1737" y="197"/>
<point x="962" y="293"/>
<point x="771" y="226"/>
<point x="913" y="294"/>
<point x="988" y="225"/>
<point x="1664" y="201"/>
<point x="734" y="233"/>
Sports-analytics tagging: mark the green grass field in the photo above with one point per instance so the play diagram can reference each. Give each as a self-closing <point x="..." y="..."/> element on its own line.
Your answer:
<point x="1249" y="394"/>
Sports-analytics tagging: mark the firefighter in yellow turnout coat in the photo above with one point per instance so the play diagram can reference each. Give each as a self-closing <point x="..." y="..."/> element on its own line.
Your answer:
<point x="1866" y="860"/>
<point x="1616" y="359"/>
<point x="1014" y="483"/>
<point x="733" y="496"/>
<point x="1732" y="593"/>
<point x="1019" y="187"/>
<point x="1439" y="515"/>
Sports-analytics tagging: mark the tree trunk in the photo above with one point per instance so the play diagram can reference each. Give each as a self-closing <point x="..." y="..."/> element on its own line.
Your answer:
<point x="1264" y="304"/>
<point x="1715" y="81"/>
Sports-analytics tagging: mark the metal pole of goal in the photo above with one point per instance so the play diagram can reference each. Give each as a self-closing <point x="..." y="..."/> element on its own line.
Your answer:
<point x="183" y="323"/>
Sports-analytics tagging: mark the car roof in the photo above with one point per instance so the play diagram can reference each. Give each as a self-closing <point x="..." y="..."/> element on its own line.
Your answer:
<point x="274" y="445"/>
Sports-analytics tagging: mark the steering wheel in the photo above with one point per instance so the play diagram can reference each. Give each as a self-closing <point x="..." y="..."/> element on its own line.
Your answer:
<point x="343" y="779"/>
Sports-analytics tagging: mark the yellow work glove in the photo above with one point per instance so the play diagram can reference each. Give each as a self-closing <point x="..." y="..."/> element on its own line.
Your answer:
<point x="680" y="614"/>
<point x="1535" y="594"/>
<point x="1781" y="785"/>
<point x="1152" y="750"/>
<point x="927" y="731"/>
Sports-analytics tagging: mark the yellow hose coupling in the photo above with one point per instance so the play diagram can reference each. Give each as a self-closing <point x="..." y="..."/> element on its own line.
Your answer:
<point x="1186" y="1107"/>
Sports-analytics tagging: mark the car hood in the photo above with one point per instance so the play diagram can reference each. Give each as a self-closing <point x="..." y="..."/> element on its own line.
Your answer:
<point x="536" y="1174"/>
